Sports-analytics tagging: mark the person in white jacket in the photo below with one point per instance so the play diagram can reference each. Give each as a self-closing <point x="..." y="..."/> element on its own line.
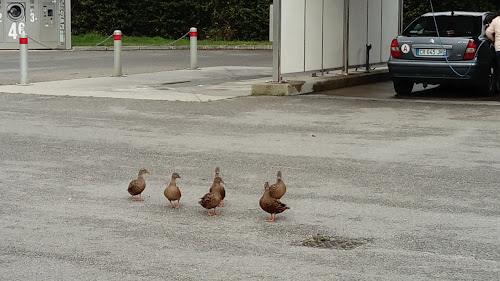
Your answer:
<point x="493" y="33"/>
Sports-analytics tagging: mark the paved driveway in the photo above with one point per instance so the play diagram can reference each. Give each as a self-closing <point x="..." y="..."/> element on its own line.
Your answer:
<point x="411" y="189"/>
<point x="62" y="65"/>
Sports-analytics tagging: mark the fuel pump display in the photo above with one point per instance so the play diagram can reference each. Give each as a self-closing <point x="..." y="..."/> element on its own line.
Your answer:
<point x="44" y="21"/>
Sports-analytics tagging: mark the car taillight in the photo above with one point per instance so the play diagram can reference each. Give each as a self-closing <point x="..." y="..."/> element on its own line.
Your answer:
<point x="395" y="50"/>
<point x="470" y="52"/>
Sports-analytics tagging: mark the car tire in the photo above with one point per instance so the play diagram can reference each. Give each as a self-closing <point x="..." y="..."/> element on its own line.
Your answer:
<point x="403" y="87"/>
<point x="489" y="87"/>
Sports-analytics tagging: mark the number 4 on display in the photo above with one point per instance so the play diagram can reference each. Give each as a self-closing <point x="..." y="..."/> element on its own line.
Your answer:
<point x="16" y="29"/>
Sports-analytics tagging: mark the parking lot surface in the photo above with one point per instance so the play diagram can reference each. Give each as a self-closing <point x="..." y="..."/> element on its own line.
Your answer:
<point x="410" y="187"/>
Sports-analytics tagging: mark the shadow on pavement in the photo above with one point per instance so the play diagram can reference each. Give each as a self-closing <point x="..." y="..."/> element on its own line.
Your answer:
<point x="449" y="92"/>
<point x="385" y="90"/>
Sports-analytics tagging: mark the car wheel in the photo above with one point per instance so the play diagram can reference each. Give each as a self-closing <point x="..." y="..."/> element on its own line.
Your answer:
<point x="490" y="86"/>
<point x="403" y="87"/>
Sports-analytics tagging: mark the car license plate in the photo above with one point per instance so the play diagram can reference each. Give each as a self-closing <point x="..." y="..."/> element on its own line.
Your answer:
<point x="431" y="52"/>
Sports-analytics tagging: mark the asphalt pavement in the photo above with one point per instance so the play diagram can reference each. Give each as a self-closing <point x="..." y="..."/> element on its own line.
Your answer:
<point x="379" y="188"/>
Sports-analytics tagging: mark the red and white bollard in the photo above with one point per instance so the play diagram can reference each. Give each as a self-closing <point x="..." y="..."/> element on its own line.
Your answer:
<point x="193" y="34"/>
<point x="23" y="58"/>
<point x="117" y="49"/>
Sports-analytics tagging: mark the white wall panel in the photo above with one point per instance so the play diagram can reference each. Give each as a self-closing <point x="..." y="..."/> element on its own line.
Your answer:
<point x="390" y="24"/>
<point x="375" y="29"/>
<point x="292" y="36"/>
<point x="357" y="31"/>
<point x="314" y="35"/>
<point x="333" y="34"/>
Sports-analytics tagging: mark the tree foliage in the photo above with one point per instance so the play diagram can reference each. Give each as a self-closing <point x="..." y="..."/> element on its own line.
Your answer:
<point x="215" y="19"/>
<point x="229" y="20"/>
<point x="414" y="8"/>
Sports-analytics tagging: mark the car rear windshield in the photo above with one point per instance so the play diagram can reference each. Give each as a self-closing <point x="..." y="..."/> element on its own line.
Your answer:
<point x="448" y="26"/>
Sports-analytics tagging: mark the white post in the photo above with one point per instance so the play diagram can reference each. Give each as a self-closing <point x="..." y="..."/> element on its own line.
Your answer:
<point x="118" y="52"/>
<point x="276" y="40"/>
<point x="346" y="37"/>
<point x="271" y="14"/>
<point x="23" y="58"/>
<point x="193" y="34"/>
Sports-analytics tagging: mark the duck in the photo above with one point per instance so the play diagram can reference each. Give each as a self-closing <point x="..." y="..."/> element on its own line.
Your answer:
<point x="278" y="189"/>
<point x="137" y="186"/>
<point x="212" y="199"/>
<point x="219" y="187"/>
<point x="172" y="192"/>
<point x="270" y="204"/>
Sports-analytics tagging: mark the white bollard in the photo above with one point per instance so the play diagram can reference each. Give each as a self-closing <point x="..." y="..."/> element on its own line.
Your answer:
<point x="193" y="34"/>
<point x="118" y="52"/>
<point x="23" y="58"/>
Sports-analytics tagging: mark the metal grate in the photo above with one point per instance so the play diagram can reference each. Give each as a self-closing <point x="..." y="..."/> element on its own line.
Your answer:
<point x="339" y="243"/>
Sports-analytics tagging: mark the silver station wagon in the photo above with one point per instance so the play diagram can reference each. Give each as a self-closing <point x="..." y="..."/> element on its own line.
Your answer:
<point x="455" y="52"/>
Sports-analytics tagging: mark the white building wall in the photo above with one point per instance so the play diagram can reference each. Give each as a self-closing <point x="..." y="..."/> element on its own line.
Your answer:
<point x="312" y="33"/>
<point x="374" y="37"/>
<point x="358" y="11"/>
<point x="292" y="35"/>
<point x="333" y="34"/>
<point x="390" y="26"/>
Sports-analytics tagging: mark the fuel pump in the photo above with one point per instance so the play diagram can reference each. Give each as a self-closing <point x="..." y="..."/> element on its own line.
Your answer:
<point x="46" y="22"/>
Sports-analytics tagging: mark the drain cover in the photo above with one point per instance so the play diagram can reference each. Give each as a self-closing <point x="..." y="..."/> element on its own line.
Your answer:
<point x="339" y="243"/>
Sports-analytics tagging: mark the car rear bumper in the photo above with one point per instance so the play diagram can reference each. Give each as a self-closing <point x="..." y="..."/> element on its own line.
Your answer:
<point x="439" y="72"/>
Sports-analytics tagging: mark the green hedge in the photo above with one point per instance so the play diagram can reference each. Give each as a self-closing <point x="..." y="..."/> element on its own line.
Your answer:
<point x="414" y="8"/>
<point x="215" y="19"/>
<point x="246" y="20"/>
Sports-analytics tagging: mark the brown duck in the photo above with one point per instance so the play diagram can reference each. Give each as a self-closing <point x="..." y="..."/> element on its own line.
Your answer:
<point x="270" y="204"/>
<point x="219" y="187"/>
<point x="172" y="192"/>
<point x="212" y="199"/>
<point x="278" y="189"/>
<point x="137" y="186"/>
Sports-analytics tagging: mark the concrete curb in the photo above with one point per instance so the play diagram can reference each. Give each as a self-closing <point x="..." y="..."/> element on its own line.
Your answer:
<point x="200" y="47"/>
<point x="318" y="84"/>
<point x="343" y="81"/>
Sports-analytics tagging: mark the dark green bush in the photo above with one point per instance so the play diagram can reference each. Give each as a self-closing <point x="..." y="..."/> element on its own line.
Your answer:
<point x="223" y="20"/>
<point x="215" y="19"/>
<point x="414" y="8"/>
